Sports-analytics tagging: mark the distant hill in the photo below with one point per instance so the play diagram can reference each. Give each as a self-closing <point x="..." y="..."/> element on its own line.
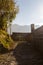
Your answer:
<point x="21" y="28"/>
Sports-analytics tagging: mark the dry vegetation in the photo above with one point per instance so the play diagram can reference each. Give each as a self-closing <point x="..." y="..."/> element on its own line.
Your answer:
<point x="6" y="40"/>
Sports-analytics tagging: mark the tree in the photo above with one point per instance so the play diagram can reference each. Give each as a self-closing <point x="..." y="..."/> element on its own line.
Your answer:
<point x="8" y="11"/>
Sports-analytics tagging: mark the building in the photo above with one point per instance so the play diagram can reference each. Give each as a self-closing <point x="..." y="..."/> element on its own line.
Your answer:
<point x="35" y="37"/>
<point x="38" y="38"/>
<point x="23" y="36"/>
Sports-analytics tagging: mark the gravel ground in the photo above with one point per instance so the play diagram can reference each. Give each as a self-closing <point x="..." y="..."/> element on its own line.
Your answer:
<point x="7" y="59"/>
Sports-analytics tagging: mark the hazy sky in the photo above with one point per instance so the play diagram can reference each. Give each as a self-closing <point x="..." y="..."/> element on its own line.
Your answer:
<point x="30" y="11"/>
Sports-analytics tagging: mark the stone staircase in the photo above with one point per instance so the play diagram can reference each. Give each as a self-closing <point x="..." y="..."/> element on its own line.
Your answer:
<point x="25" y="54"/>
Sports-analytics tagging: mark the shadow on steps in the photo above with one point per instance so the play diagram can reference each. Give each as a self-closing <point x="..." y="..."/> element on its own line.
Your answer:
<point x="3" y="50"/>
<point x="26" y="55"/>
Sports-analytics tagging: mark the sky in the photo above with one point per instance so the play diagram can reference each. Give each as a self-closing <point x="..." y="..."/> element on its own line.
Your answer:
<point x="30" y="12"/>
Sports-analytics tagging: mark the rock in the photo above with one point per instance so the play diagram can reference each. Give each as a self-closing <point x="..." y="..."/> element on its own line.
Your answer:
<point x="13" y="63"/>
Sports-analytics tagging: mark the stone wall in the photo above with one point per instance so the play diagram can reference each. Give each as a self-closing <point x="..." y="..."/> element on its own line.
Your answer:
<point x="22" y="37"/>
<point x="38" y="41"/>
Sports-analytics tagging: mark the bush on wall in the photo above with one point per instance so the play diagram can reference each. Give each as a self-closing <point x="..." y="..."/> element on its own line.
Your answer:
<point x="6" y="40"/>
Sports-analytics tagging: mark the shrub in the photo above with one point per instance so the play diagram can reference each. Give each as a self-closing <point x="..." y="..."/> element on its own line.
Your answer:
<point x="6" y="40"/>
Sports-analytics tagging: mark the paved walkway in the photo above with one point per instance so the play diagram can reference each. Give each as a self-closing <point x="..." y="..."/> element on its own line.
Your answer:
<point x="23" y="54"/>
<point x="26" y="55"/>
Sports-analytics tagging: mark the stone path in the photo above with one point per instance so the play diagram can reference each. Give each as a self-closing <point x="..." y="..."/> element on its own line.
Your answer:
<point x="26" y="55"/>
<point x="23" y="54"/>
